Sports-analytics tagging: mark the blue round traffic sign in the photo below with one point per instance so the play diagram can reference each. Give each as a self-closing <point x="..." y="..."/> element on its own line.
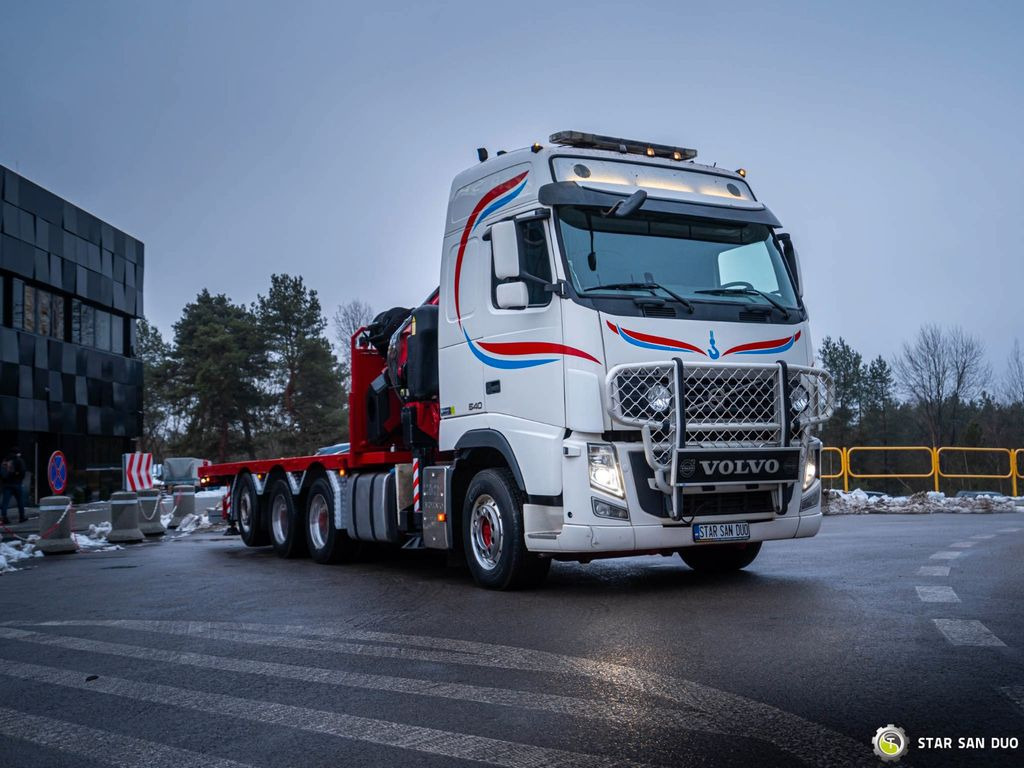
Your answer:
<point x="57" y="472"/>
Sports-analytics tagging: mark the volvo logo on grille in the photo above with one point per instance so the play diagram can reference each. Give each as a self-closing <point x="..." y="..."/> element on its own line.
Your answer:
<point x="769" y="465"/>
<point x="741" y="467"/>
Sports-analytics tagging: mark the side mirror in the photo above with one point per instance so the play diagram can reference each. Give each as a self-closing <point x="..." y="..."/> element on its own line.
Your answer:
<point x="505" y="250"/>
<point x="512" y="295"/>
<point x="792" y="260"/>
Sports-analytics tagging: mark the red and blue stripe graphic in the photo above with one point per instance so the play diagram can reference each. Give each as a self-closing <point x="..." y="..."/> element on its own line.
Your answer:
<point x="666" y="344"/>
<point x="494" y="199"/>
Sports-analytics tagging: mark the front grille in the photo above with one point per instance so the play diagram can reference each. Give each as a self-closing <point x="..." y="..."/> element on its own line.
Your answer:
<point x="735" y="503"/>
<point x="727" y="405"/>
<point x="653" y="310"/>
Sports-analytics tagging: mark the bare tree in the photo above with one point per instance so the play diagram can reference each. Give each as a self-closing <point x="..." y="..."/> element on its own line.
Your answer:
<point x="1013" y="383"/>
<point x="941" y="370"/>
<point x="349" y="318"/>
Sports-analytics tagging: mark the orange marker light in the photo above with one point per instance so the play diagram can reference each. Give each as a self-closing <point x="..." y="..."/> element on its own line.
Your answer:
<point x="441" y="517"/>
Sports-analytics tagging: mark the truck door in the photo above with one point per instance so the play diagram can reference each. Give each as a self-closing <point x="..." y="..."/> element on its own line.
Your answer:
<point x="522" y="366"/>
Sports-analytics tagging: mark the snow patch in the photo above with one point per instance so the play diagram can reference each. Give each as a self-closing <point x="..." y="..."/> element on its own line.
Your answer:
<point x="95" y="540"/>
<point x="15" y="551"/>
<point x="858" y="502"/>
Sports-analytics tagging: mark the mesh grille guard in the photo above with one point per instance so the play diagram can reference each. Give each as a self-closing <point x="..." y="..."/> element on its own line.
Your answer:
<point x="725" y="405"/>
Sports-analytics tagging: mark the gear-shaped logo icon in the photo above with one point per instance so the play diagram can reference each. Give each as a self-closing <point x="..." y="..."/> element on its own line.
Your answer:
<point x="890" y="743"/>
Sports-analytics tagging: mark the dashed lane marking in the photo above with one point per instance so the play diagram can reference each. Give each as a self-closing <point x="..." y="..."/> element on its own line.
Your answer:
<point x="103" y="746"/>
<point x="983" y="536"/>
<point x="945" y="555"/>
<point x="1010" y="530"/>
<point x="967" y="632"/>
<point x="937" y="595"/>
<point x="962" y="544"/>
<point x="810" y="742"/>
<point x="933" y="570"/>
<point x="434" y="741"/>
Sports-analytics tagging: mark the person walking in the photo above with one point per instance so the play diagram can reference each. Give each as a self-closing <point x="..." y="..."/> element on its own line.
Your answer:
<point x="12" y="477"/>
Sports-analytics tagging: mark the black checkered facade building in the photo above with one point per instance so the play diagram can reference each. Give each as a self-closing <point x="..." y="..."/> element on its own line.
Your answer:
<point x="71" y="292"/>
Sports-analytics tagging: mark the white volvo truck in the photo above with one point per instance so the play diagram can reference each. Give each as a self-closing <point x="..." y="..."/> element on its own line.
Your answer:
<point x="617" y="361"/>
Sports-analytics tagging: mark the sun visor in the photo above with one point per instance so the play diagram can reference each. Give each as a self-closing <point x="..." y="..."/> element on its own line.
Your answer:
<point x="572" y="193"/>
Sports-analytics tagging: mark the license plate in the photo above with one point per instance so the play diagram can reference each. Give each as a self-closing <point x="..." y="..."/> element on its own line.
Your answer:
<point x="721" y="531"/>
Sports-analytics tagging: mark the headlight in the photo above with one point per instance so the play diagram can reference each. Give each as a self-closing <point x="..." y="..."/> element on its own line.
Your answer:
<point x="604" y="469"/>
<point x="799" y="398"/>
<point x="659" y="398"/>
<point x="810" y="471"/>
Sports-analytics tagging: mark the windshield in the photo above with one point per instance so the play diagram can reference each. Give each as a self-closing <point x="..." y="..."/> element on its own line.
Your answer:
<point x="697" y="259"/>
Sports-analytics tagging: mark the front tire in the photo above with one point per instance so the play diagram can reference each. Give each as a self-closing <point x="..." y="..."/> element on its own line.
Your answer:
<point x="326" y="543"/>
<point x="247" y="509"/>
<point x="492" y="534"/>
<point x="720" y="558"/>
<point x="287" y="521"/>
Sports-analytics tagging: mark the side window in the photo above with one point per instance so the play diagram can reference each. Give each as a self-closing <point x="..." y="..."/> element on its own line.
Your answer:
<point x="533" y="259"/>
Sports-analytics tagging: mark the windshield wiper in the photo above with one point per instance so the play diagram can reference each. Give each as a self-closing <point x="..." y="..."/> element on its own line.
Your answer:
<point x="748" y="292"/>
<point x="646" y="286"/>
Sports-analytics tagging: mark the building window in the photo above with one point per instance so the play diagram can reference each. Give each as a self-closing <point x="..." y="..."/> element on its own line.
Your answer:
<point x="17" y="304"/>
<point x="76" y="321"/>
<point x="57" y="321"/>
<point x="88" y="326"/>
<point x="43" y="305"/>
<point x="117" y="334"/>
<point x="103" y="330"/>
<point x="30" y="309"/>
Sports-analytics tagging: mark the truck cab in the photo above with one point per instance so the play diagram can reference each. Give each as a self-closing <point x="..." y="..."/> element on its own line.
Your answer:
<point x="622" y="331"/>
<point x="616" y="361"/>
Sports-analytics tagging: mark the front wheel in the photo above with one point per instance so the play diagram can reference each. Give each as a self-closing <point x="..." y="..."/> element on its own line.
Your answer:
<point x="720" y="558"/>
<point x="492" y="534"/>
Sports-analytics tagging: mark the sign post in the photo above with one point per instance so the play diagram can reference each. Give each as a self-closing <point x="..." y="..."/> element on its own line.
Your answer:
<point x="57" y="473"/>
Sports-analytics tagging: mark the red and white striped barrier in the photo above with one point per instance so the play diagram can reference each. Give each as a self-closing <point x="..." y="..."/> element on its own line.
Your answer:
<point x="138" y="471"/>
<point x="415" y="485"/>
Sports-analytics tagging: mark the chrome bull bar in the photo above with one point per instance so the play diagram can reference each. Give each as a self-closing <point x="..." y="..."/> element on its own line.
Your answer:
<point x="681" y="405"/>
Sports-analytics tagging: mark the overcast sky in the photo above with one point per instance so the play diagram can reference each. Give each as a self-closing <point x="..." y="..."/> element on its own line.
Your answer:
<point x="241" y="138"/>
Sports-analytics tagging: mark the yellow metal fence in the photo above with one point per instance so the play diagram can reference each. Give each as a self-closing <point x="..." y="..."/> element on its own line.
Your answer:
<point x="842" y="463"/>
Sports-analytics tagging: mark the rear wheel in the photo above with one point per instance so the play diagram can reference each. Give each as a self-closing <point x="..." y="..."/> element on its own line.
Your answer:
<point x="720" y="558"/>
<point x="247" y="506"/>
<point x="287" y="521"/>
<point x="492" y="534"/>
<point x="326" y="543"/>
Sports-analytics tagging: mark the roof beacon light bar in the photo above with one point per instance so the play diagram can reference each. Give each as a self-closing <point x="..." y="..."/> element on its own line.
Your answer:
<point x="626" y="146"/>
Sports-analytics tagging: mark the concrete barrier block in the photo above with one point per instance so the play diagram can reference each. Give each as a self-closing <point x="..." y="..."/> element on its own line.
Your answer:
<point x="124" y="518"/>
<point x="184" y="504"/>
<point x="149" y="513"/>
<point x="55" y="526"/>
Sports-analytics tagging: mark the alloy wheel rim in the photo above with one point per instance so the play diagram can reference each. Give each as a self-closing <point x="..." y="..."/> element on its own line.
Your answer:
<point x="279" y="519"/>
<point x="319" y="521"/>
<point x="486" y="533"/>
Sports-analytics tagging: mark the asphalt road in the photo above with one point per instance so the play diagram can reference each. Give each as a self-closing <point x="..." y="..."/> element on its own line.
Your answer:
<point x="201" y="652"/>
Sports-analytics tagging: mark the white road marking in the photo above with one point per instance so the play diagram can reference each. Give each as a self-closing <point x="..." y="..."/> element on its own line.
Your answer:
<point x="982" y="536"/>
<point x="103" y="746"/>
<point x="933" y="570"/>
<point x="967" y="632"/>
<point x="1010" y="530"/>
<point x="945" y="556"/>
<point x="1015" y="694"/>
<point x="433" y="741"/>
<point x="688" y="719"/>
<point x="810" y="742"/>
<point x="962" y="544"/>
<point x="937" y="595"/>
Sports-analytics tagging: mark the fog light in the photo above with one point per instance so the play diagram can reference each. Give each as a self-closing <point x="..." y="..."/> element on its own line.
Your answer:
<point x="810" y="472"/>
<point x="604" y="469"/>
<point x="604" y="509"/>
<point x="799" y="399"/>
<point x="659" y="398"/>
